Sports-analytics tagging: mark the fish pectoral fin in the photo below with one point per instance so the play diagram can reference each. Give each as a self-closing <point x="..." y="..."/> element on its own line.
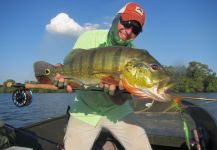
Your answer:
<point x="108" y="79"/>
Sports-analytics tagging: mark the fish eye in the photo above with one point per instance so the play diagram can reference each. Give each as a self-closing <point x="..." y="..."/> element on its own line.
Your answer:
<point x="47" y="71"/>
<point x="154" y="66"/>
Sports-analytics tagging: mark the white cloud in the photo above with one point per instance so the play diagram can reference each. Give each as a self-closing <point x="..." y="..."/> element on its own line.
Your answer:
<point x="90" y="26"/>
<point x="107" y="24"/>
<point x="64" y="25"/>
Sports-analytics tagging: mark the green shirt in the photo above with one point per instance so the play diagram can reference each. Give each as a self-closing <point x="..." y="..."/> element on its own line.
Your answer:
<point x="90" y="106"/>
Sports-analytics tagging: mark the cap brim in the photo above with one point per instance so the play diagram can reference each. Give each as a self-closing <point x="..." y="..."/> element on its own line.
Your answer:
<point x="132" y="16"/>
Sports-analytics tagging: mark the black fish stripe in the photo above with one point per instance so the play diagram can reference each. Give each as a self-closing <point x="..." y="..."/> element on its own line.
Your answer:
<point x="72" y="66"/>
<point x="103" y="61"/>
<point x="80" y="64"/>
<point x="91" y="62"/>
<point x="116" y="59"/>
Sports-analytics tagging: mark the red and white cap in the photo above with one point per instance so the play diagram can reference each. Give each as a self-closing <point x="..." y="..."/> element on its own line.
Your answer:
<point x="133" y="11"/>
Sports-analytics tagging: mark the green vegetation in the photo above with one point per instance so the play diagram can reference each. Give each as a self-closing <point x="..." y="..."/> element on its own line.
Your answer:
<point x="196" y="77"/>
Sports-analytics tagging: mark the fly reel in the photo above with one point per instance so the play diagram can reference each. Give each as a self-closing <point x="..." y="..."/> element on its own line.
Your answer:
<point x="22" y="97"/>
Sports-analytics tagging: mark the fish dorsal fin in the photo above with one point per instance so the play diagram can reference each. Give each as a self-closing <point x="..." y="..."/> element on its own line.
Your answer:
<point x="72" y="54"/>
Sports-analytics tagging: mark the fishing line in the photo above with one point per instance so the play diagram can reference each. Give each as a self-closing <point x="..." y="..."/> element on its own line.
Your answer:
<point x="197" y="98"/>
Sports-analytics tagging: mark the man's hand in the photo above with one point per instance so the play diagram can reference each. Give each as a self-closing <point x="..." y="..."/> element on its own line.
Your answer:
<point x="60" y="82"/>
<point x="111" y="88"/>
<point x="117" y="95"/>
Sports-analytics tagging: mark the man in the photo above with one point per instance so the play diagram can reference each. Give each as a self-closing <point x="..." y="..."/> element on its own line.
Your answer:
<point x="94" y="110"/>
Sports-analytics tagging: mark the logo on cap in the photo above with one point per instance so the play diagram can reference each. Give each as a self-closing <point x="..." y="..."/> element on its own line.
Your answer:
<point x="139" y="10"/>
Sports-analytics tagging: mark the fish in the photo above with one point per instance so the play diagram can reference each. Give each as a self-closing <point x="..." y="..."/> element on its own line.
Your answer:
<point x="141" y="74"/>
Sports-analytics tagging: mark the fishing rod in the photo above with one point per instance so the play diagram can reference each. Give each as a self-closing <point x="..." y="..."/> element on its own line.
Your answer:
<point x="32" y="86"/>
<point x="22" y="96"/>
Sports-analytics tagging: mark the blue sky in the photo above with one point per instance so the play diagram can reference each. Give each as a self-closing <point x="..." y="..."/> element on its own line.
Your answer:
<point x="176" y="31"/>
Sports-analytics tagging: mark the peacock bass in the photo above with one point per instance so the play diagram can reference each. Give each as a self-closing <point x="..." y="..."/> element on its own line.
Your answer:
<point x="141" y="74"/>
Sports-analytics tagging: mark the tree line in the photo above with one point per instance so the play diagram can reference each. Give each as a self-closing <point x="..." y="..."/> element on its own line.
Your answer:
<point x="195" y="77"/>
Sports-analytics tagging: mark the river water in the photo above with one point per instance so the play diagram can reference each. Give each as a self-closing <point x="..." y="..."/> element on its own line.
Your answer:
<point x="49" y="105"/>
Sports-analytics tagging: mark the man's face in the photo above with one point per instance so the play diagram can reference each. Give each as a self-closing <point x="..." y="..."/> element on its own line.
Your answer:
<point x="125" y="33"/>
<point x="128" y="30"/>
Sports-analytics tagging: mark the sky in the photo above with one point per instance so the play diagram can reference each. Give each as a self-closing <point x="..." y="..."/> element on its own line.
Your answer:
<point x="175" y="32"/>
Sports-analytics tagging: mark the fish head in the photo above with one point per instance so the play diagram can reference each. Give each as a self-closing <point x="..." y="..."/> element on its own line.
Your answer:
<point x="146" y="78"/>
<point x="44" y="72"/>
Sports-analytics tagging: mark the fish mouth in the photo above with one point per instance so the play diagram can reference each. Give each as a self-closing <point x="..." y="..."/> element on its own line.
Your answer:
<point x="43" y="80"/>
<point x="156" y="92"/>
<point x="159" y="92"/>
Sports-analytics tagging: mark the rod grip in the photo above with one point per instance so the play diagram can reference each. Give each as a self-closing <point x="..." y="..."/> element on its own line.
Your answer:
<point x="40" y="86"/>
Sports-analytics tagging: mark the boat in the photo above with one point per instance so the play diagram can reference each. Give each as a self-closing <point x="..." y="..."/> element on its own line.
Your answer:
<point x="162" y="124"/>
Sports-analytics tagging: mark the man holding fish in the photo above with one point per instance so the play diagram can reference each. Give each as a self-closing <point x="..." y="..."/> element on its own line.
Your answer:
<point x="93" y="110"/>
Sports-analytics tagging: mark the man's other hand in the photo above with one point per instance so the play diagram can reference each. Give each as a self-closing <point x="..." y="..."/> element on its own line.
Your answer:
<point x="111" y="88"/>
<point x="60" y="82"/>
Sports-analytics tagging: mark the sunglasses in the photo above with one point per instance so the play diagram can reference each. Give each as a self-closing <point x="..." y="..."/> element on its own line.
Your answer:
<point x="136" y="27"/>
